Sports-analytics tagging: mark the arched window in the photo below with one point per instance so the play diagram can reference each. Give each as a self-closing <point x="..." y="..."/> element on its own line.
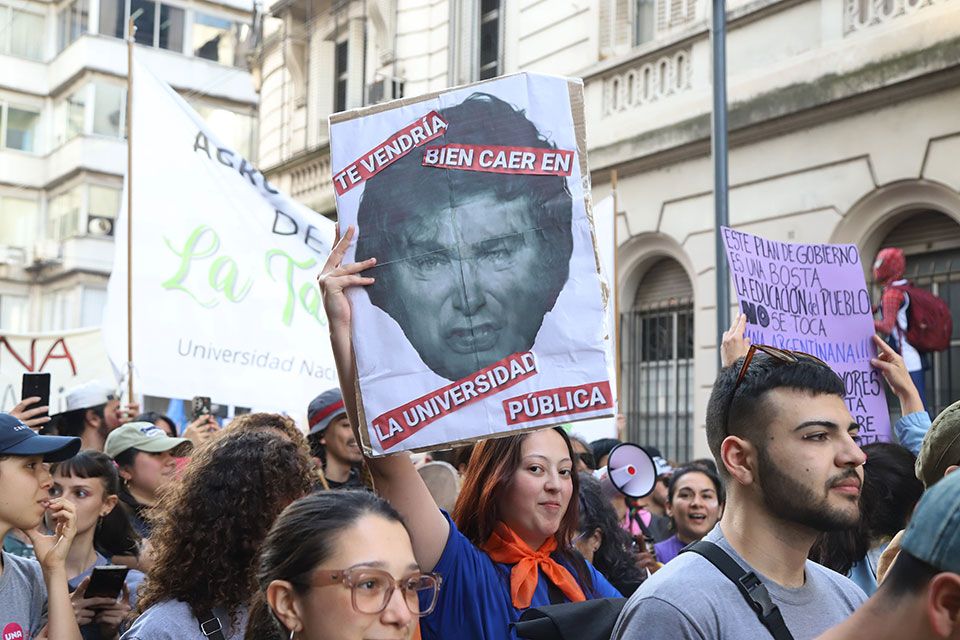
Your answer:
<point x="656" y="360"/>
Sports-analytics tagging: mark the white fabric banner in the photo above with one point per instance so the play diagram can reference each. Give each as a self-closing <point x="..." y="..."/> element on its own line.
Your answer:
<point x="604" y="218"/>
<point x="70" y="357"/>
<point x="225" y="301"/>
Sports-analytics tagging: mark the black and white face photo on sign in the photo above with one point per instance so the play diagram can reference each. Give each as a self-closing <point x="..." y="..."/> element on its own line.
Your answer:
<point x="468" y="262"/>
<point x="472" y="266"/>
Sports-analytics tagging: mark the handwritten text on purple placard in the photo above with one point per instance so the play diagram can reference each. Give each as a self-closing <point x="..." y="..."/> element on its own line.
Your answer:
<point x="813" y="298"/>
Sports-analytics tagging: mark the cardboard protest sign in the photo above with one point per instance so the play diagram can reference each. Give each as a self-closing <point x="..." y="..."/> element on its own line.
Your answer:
<point x="487" y="314"/>
<point x="225" y="301"/>
<point x="813" y="298"/>
<point x="70" y="357"/>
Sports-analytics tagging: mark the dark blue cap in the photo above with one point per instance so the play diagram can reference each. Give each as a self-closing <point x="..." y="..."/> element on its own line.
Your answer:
<point x="17" y="439"/>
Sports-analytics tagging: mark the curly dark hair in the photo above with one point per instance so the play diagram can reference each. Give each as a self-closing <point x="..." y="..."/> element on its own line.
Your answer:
<point x="616" y="558"/>
<point x="209" y="526"/>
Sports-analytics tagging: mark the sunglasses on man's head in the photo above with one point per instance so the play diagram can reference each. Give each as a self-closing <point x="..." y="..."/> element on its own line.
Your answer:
<point x="783" y="356"/>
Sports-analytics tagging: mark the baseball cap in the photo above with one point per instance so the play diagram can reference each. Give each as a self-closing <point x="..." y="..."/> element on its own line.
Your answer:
<point x="933" y="535"/>
<point x="941" y="446"/>
<point x="89" y="394"/>
<point x="17" y="439"/>
<point x="324" y="408"/>
<point x="144" y="436"/>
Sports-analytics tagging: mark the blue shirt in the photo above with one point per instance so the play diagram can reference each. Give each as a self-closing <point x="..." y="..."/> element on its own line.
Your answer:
<point x="475" y="601"/>
<point x="911" y="429"/>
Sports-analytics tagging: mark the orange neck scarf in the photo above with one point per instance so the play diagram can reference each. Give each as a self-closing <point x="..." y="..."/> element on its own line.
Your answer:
<point x="506" y="546"/>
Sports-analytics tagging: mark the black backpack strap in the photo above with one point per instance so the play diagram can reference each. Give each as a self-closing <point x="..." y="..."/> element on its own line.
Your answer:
<point x="749" y="584"/>
<point x="210" y="625"/>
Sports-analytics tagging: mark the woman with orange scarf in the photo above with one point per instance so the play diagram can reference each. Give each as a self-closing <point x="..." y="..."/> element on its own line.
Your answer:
<point x="508" y="545"/>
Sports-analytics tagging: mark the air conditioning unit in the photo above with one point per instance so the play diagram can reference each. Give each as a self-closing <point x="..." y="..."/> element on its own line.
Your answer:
<point x="100" y="226"/>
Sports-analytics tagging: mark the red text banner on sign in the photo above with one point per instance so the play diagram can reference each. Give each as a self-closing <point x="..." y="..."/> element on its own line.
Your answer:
<point x="399" y="424"/>
<point x="562" y="401"/>
<point x="534" y="161"/>
<point x="425" y="129"/>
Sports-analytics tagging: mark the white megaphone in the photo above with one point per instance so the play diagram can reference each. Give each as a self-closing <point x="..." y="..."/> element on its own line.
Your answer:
<point x="630" y="472"/>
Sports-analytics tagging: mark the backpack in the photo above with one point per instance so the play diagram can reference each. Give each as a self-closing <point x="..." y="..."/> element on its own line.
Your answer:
<point x="929" y="325"/>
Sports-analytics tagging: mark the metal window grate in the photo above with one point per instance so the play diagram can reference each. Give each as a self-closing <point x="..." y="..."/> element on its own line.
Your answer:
<point x="657" y="369"/>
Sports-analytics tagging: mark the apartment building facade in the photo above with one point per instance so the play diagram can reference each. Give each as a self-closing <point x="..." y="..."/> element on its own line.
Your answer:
<point x="843" y="128"/>
<point x="63" y="68"/>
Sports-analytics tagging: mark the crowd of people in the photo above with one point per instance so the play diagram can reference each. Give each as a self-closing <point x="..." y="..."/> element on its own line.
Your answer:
<point x="265" y="529"/>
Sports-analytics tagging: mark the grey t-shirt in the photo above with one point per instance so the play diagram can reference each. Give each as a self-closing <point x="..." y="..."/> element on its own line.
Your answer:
<point x="173" y="620"/>
<point x="23" y="598"/>
<point x="690" y="599"/>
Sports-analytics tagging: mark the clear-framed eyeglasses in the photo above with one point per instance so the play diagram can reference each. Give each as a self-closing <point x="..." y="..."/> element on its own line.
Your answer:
<point x="371" y="589"/>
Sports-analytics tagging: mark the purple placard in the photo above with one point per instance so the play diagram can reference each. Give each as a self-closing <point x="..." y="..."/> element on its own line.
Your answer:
<point x="813" y="298"/>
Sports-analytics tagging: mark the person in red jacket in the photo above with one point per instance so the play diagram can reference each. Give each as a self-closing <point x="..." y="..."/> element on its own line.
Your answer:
<point x="888" y="270"/>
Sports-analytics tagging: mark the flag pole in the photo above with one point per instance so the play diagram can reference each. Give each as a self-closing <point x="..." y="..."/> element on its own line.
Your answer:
<point x="613" y="284"/>
<point x="130" y="32"/>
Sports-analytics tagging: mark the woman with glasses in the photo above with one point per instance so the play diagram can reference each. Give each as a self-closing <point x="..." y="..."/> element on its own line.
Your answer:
<point x="208" y="528"/>
<point x="339" y="566"/>
<point x="508" y="545"/>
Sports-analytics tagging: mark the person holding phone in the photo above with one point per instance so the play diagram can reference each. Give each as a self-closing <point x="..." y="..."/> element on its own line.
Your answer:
<point x="34" y="595"/>
<point x="90" y="481"/>
<point x="93" y="411"/>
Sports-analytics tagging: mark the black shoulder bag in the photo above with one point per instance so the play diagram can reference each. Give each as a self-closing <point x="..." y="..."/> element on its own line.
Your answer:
<point x="210" y="625"/>
<point x="749" y="584"/>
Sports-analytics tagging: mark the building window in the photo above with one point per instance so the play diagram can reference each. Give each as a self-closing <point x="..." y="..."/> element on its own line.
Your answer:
<point x="340" y="77"/>
<point x="108" y="110"/>
<point x="157" y="24"/>
<point x="14" y="312"/>
<point x="656" y="356"/>
<point x="92" y="303"/>
<point x="68" y="117"/>
<point x="235" y="129"/>
<point x="57" y="311"/>
<point x="107" y="115"/>
<point x="489" y="39"/>
<point x="21" y="33"/>
<point x="19" y="128"/>
<point x="644" y="21"/>
<point x="63" y="214"/>
<point x="72" y="23"/>
<point x="17" y="217"/>
<point x="217" y="39"/>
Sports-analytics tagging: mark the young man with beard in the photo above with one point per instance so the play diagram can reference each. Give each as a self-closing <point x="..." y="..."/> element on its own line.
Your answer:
<point x="786" y="446"/>
<point x="332" y="441"/>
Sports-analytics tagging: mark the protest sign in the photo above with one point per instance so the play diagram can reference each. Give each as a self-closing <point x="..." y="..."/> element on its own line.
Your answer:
<point x="225" y="302"/>
<point x="71" y="358"/>
<point x="813" y="298"/>
<point x="487" y="314"/>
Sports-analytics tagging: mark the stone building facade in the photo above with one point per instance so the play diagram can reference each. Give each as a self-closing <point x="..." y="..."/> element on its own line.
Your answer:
<point x="843" y="119"/>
